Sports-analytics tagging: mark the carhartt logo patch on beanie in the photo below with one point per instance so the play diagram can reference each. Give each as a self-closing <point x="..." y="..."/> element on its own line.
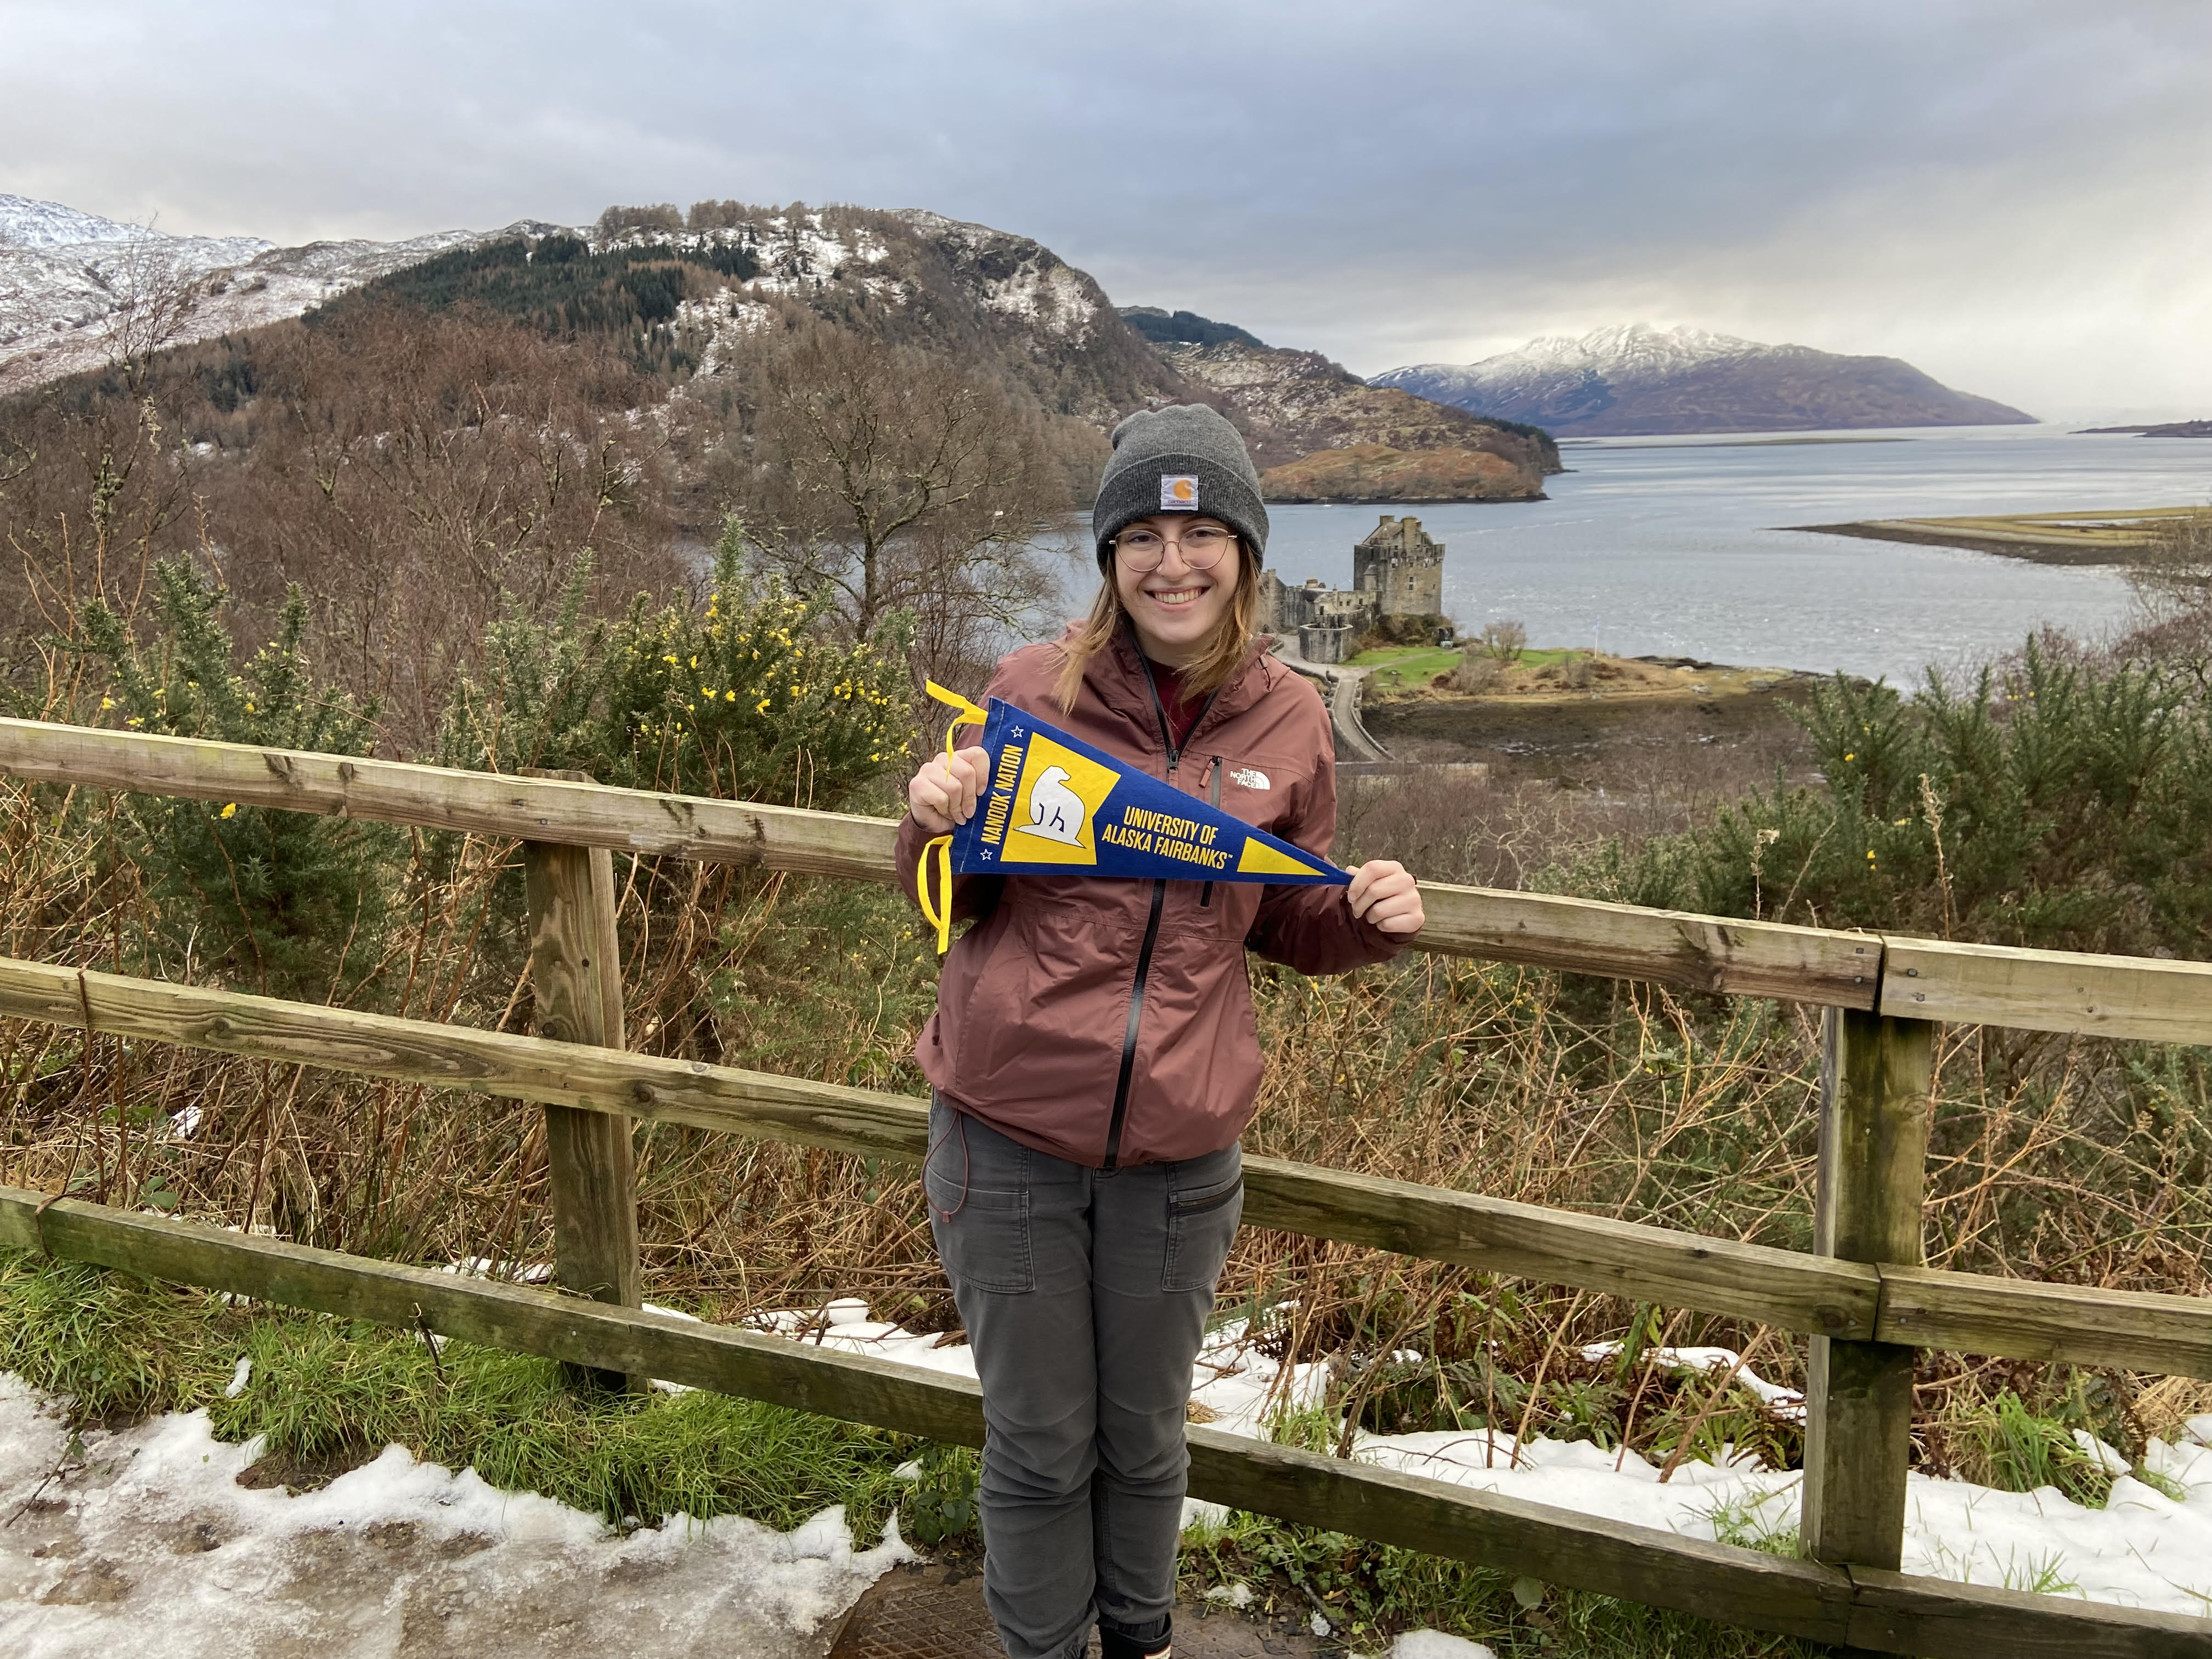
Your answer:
<point x="1182" y="458"/>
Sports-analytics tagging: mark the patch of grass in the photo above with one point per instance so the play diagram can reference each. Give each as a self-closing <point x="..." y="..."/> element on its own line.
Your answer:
<point x="1369" y="1592"/>
<point x="1410" y="666"/>
<point x="2041" y="1575"/>
<point x="120" y="1347"/>
<point x="123" y="1347"/>
<point x="2007" y="1446"/>
<point x="1398" y="666"/>
<point x="1745" y="1523"/>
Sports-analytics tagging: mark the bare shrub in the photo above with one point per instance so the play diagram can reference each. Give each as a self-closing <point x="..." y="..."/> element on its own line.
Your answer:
<point x="2171" y="581"/>
<point x="1475" y="673"/>
<point x="1505" y="641"/>
<point x="96" y="494"/>
<point x="1451" y="826"/>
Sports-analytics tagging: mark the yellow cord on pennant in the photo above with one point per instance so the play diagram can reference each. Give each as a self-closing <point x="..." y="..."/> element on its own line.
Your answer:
<point x="941" y="846"/>
<point x="940" y="915"/>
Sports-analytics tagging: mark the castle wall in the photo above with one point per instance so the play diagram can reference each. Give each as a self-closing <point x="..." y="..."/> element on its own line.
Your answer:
<point x="1324" y="644"/>
<point x="1402" y="566"/>
<point x="1397" y="571"/>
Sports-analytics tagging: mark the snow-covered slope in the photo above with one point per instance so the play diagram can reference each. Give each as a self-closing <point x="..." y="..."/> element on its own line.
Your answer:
<point x="25" y="223"/>
<point x="66" y="276"/>
<point x="67" y="279"/>
<point x="1012" y="276"/>
<point x="1638" y="378"/>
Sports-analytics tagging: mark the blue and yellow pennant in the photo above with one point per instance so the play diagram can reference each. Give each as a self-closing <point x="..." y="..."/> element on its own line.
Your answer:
<point x="1055" y="806"/>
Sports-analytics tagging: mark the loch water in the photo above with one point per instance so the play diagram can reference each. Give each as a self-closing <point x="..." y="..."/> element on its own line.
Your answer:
<point x="1679" y="546"/>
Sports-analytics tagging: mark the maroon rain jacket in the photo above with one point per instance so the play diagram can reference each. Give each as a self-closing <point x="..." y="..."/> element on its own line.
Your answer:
<point x="1109" y="1022"/>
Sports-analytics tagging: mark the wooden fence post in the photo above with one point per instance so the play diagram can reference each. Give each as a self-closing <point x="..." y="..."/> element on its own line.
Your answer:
<point x="575" y="972"/>
<point x="1875" y="1084"/>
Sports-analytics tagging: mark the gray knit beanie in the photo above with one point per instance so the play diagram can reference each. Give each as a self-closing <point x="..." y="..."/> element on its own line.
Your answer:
<point x="1182" y="458"/>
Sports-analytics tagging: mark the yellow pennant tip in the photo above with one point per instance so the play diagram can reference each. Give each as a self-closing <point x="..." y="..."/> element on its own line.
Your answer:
<point x="1258" y="859"/>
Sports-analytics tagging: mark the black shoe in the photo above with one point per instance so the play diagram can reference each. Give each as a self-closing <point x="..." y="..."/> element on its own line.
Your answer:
<point x="1112" y="1644"/>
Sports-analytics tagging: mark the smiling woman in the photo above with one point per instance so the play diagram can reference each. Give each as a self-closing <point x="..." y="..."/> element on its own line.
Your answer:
<point x="1181" y="529"/>
<point x="1094" y="1053"/>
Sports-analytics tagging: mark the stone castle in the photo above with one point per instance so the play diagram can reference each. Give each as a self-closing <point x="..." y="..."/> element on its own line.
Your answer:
<point x="1398" y="571"/>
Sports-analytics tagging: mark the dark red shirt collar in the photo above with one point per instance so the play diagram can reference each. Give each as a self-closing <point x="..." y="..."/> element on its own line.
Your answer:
<point x="1182" y="705"/>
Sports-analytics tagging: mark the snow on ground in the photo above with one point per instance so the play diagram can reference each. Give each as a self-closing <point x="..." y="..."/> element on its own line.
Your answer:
<point x="1435" y="1645"/>
<point x="401" y="1558"/>
<point x="154" y="1537"/>
<point x="2144" y="1549"/>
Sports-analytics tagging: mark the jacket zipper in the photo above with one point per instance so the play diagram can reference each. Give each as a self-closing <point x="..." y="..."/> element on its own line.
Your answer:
<point x="1212" y="799"/>
<point x="1152" y="935"/>
<point x="1129" y="1031"/>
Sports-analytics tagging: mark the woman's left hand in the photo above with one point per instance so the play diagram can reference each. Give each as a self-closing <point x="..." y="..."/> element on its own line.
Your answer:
<point x="1383" y="893"/>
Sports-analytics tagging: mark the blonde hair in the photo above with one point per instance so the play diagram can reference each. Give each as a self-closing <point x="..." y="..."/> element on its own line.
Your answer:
<point x="1223" y="649"/>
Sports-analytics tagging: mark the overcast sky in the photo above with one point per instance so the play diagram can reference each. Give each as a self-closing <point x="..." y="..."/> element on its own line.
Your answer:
<point x="2015" y="195"/>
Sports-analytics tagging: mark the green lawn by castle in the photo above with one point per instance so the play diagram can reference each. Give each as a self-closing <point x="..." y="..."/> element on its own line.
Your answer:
<point x="1417" y="664"/>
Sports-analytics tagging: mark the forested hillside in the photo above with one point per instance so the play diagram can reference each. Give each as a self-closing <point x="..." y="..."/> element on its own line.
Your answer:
<point x="891" y="408"/>
<point x="893" y="411"/>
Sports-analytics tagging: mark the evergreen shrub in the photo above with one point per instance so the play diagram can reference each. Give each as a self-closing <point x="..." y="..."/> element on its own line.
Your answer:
<point x="295" y="903"/>
<point x="751" y="694"/>
<point x="2062" y="803"/>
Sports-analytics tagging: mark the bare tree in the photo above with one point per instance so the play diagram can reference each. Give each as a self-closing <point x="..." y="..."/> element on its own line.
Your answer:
<point x="156" y="295"/>
<point x="2171" y="577"/>
<point x="898" y="480"/>
<point x="1504" y="639"/>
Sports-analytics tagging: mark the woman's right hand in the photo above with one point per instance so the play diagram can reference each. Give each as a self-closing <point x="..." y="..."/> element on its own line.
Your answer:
<point x="943" y="794"/>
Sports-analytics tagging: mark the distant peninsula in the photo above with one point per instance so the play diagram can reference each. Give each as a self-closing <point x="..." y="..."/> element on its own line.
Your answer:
<point x="1638" y="380"/>
<point x="2170" y="429"/>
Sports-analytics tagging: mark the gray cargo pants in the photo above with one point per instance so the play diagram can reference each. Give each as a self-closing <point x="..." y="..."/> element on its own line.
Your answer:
<point x="1085" y="1295"/>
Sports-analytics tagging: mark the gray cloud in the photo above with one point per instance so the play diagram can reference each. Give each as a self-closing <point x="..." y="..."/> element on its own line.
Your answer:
<point x="2013" y="193"/>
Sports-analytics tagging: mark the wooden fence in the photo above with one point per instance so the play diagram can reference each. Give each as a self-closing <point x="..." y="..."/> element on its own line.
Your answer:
<point x="1863" y="1295"/>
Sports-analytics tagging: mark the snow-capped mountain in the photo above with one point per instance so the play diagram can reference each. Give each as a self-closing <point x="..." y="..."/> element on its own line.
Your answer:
<point x="25" y="223"/>
<point x="1637" y="379"/>
<point x="1380" y="444"/>
<point x="64" y="275"/>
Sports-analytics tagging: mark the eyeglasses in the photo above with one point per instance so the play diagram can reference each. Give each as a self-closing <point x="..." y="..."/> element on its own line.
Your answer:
<point x="1201" y="546"/>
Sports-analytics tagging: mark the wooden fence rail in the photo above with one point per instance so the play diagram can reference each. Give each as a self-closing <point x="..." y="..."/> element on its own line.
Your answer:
<point x="1860" y="1296"/>
<point x="2037" y="990"/>
<point x="1851" y="1300"/>
<point x="1878" y="1611"/>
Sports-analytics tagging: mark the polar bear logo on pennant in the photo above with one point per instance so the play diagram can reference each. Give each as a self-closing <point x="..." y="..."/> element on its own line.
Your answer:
<point x="1055" y="810"/>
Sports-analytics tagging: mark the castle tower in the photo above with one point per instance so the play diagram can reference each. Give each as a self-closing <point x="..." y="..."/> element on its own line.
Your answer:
<point x="1402" y="567"/>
